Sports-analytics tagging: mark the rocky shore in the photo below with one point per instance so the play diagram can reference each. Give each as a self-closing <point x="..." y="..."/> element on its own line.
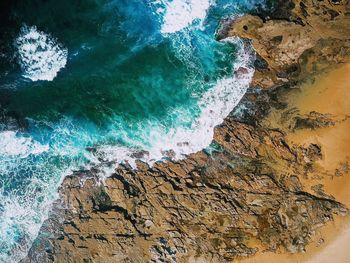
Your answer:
<point x="256" y="188"/>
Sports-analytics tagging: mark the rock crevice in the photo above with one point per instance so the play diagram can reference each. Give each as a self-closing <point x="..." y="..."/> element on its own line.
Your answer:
<point x="242" y="194"/>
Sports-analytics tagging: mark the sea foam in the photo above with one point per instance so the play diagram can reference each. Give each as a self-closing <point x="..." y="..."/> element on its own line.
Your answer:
<point x="215" y="104"/>
<point x="30" y="174"/>
<point x="179" y="14"/>
<point x="19" y="213"/>
<point x="41" y="57"/>
<point x="178" y="142"/>
<point x="14" y="145"/>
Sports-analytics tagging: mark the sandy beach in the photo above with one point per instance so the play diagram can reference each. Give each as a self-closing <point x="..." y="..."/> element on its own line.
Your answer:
<point x="326" y="94"/>
<point x="258" y="170"/>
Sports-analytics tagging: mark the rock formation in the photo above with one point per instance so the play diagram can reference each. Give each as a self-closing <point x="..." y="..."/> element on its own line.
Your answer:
<point x="243" y="193"/>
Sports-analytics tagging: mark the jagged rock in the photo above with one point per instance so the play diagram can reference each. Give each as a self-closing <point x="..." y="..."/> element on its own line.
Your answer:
<point x="312" y="121"/>
<point x="211" y="205"/>
<point x="206" y="206"/>
<point x="298" y="41"/>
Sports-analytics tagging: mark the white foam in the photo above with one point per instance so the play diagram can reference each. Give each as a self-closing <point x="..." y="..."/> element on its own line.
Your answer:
<point x="24" y="209"/>
<point x="40" y="55"/>
<point x="179" y="14"/>
<point x="215" y="105"/>
<point x="22" y="216"/>
<point x="11" y="144"/>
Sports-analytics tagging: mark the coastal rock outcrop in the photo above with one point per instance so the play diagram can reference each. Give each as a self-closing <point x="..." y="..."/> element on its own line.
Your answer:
<point x="208" y="207"/>
<point x="243" y="193"/>
<point x="296" y="39"/>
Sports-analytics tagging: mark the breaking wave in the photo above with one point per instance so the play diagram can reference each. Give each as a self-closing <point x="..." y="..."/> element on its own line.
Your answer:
<point x="180" y="141"/>
<point x="173" y="58"/>
<point x="14" y="145"/>
<point x="179" y="14"/>
<point x="40" y="55"/>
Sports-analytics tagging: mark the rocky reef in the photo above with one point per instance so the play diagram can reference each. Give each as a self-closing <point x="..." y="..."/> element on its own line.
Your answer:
<point x="245" y="192"/>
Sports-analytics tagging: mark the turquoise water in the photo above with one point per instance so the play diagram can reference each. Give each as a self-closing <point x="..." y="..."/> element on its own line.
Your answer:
<point x="100" y="82"/>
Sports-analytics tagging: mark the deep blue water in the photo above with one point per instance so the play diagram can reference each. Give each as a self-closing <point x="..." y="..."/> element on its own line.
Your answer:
<point x="100" y="82"/>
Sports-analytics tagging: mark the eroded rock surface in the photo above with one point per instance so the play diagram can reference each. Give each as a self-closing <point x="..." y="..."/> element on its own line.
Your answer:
<point x="241" y="194"/>
<point x="303" y="34"/>
<point x="209" y="206"/>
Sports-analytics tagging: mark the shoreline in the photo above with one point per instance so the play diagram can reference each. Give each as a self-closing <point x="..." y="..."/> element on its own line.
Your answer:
<point x="328" y="96"/>
<point x="260" y="189"/>
<point x="330" y="229"/>
<point x="330" y="240"/>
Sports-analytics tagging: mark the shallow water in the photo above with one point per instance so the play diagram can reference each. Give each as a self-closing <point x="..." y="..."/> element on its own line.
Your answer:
<point x="126" y="78"/>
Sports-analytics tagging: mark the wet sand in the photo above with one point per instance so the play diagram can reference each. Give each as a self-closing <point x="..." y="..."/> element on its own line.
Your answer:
<point x="327" y="94"/>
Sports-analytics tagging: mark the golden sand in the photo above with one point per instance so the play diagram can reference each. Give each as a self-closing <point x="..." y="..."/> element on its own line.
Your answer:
<point x="328" y="94"/>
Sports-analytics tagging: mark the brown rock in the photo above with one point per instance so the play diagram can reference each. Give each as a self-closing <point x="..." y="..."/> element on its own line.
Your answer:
<point x="211" y="205"/>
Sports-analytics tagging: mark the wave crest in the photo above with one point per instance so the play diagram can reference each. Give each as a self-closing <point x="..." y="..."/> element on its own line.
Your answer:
<point x="41" y="57"/>
<point x="13" y="145"/>
<point x="175" y="143"/>
<point x="179" y="14"/>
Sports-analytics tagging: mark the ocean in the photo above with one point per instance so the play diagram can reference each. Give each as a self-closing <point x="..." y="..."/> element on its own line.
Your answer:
<point x="86" y="83"/>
